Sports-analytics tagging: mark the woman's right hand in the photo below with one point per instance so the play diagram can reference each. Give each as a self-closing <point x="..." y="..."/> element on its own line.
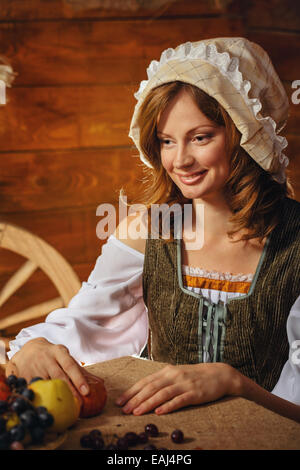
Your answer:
<point x="40" y="358"/>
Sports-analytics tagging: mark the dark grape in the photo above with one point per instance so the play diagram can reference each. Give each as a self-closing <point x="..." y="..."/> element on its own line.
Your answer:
<point x="95" y="433"/>
<point x="29" y="418"/>
<point x="177" y="436"/>
<point x="4" y="441"/>
<point x="17" y="433"/>
<point x="3" y="406"/>
<point x="97" y="443"/>
<point x="28" y="393"/>
<point x="132" y="438"/>
<point x="11" y="380"/>
<point x="85" y="441"/>
<point x="151" y="430"/>
<point x="41" y="409"/>
<point x="122" y="443"/>
<point x="45" y="419"/>
<point x="143" y="438"/>
<point x="19" y="405"/>
<point x="37" y="434"/>
<point x="111" y="447"/>
<point x="21" y="383"/>
<point x="2" y="424"/>
<point x="150" y="447"/>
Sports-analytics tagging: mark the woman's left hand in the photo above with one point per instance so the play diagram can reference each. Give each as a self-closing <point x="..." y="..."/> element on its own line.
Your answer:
<point x="175" y="387"/>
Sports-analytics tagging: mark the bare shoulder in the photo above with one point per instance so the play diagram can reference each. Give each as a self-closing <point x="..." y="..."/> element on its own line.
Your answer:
<point x="133" y="232"/>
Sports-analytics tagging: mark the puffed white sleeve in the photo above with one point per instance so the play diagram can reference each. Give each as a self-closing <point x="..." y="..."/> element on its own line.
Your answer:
<point x="107" y="318"/>
<point x="288" y="386"/>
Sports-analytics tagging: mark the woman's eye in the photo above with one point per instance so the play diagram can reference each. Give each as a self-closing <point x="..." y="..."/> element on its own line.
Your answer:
<point x="201" y="138"/>
<point x="165" y="141"/>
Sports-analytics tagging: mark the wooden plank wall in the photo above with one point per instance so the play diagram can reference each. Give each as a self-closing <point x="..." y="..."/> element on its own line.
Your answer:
<point x="64" y="145"/>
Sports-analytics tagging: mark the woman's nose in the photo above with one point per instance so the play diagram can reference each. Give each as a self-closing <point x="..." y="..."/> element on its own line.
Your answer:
<point x="183" y="157"/>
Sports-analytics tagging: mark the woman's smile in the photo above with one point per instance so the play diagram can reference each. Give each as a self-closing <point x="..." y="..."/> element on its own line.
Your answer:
<point x="192" y="179"/>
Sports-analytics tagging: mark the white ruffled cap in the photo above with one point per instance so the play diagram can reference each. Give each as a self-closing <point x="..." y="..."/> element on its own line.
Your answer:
<point x="246" y="85"/>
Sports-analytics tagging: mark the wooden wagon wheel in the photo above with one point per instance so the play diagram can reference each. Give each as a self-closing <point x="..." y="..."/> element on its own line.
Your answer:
<point x="39" y="254"/>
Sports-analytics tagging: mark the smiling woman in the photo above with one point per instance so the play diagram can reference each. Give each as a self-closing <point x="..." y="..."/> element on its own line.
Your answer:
<point x="225" y="316"/>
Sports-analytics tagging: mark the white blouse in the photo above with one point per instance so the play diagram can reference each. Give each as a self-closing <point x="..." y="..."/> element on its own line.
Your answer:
<point x="108" y="318"/>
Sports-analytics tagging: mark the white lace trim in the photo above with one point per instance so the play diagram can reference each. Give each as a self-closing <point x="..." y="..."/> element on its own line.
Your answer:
<point x="229" y="67"/>
<point x="196" y="271"/>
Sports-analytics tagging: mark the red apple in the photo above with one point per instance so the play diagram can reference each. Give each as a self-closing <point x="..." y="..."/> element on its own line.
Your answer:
<point x="5" y="391"/>
<point x="94" y="402"/>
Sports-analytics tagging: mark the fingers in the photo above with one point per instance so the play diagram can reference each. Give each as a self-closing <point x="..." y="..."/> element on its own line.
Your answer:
<point x="144" y="397"/>
<point x="162" y="399"/>
<point x="167" y="390"/>
<point x="143" y="405"/>
<point x="136" y="388"/>
<point x="179" y="401"/>
<point x="68" y="369"/>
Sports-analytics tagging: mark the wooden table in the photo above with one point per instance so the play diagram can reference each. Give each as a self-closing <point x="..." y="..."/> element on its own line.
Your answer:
<point x="228" y="424"/>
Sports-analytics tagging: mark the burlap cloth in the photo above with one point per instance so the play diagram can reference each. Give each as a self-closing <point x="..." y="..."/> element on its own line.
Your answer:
<point x="228" y="424"/>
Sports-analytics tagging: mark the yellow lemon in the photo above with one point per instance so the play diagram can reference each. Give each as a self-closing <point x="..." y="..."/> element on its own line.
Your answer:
<point x="56" y="396"/>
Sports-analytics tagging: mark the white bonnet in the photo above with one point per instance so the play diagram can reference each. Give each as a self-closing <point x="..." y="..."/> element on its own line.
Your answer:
<point x="239" y="74"/>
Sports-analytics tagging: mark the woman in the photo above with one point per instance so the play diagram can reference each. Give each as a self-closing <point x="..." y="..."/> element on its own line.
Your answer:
<point x="206" y="124"/>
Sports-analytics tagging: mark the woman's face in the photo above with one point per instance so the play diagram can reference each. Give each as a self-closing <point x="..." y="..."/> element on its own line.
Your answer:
<point x="192" y="149"/>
